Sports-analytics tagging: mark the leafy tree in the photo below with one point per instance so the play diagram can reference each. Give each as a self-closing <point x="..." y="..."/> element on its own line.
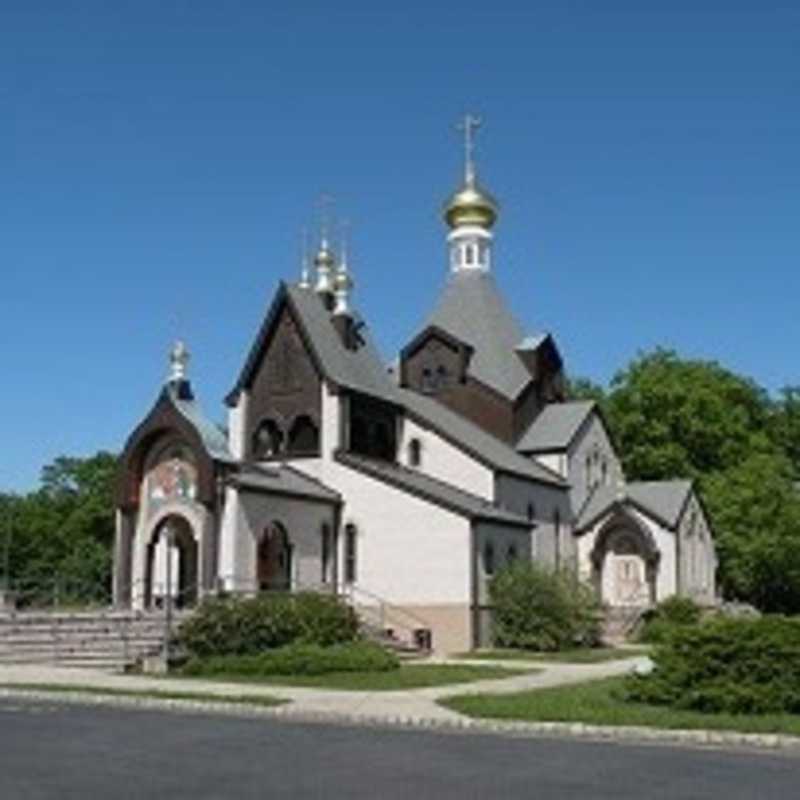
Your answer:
<point x="755" y="509"/>
<point x="784" y="426"/>
<point x="684" y="418"/>
<point x="535" y="608"/>
<point x="62" y="531"/>
<point x="585" y="389"/>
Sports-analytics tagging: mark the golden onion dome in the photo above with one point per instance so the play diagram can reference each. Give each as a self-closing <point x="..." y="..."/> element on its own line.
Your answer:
<point x="324" y="256"/>
<point x="471" y="205"/>
<point x="343" y="281"/>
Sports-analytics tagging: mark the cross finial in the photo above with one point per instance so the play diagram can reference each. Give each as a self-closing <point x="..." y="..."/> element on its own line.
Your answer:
<point x="469" y="125"/>
<point x="178" y="362"/>
<point x="325" y="204"/>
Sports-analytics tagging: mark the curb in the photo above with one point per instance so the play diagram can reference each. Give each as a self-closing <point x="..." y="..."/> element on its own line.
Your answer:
<point x="774" y="742"/>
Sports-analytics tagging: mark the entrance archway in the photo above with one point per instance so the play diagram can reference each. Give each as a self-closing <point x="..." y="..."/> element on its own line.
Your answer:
<point x="274" y="559"/>
<point x="172" y="564"/>
<point x="625" y="565"/>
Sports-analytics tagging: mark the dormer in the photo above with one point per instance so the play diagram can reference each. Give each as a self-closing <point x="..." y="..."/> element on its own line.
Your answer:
<point x="434" y="361"/>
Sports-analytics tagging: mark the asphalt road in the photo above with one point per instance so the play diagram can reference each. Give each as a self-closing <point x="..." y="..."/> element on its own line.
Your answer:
<point x="49" y="751"/>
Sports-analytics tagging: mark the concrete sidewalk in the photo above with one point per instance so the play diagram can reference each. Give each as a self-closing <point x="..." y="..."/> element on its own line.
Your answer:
<point x="418" y="705"/>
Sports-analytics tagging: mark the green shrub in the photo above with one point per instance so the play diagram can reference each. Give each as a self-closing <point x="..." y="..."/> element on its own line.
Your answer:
<point x="534" y="608"/>
<point x="747" y="666"/>
<point x="297" y="659"/>
<point x="250" y="625"/>
<point x="674" y="612"/>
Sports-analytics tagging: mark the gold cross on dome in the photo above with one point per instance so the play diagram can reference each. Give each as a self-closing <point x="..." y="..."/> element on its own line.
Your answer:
<point x="469" y="125"/>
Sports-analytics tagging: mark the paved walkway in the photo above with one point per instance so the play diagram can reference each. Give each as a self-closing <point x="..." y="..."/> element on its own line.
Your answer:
<point x="393" y="706"/>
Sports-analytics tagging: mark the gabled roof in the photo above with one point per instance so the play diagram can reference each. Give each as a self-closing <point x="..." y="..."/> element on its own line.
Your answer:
<point x="555" y="427"/>
<point x="283" y="479"/>
<point x="424" y="486"/>
<point x="664" y="501"/>
<point x="472" y="310"/>
<point x="214" y="440"/>
<point x="175" y="413"/>
<point x="361" y="369"/>
<point x="473" y="440"/>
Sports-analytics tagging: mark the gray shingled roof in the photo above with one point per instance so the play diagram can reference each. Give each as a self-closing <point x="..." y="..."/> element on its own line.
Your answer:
<point x="663" y="500"/>
<point x="363" y="370"/>
<point x="428" y="488"/>
<point x="474" y="440"/>
<point x="472" y="309"/>
<point x="214" y="440"/>
<point x="283" y="479"/>
<point x="555" y="427"/>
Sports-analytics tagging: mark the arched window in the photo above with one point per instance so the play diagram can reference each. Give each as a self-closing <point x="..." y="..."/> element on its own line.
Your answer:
<point x="531" y="512"/>
<point x="303" y="436"/>
<point x="427" y="380"/>
<point x="488" y="558"/>
<point x="511" y="554"/>
<point x="350" y="554"/>
<point x="414" y="453"/>
<point x="442" y="376"/>
<point x="267" y="440"/>
<point x="326" y="548"/>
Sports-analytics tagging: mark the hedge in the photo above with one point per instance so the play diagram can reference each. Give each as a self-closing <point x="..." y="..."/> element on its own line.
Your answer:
<point x="251" y="625"/>
<point x="740" y="666"/>
<point x="666" y="616"/>
<point x="297" y="659"/>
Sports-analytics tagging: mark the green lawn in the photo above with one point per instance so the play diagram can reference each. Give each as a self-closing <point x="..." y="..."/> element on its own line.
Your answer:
<point x="579" y="655"/>
<point x="407" y="676"/>
<point x="156" y="694"/>
<point x="595" y="703"/>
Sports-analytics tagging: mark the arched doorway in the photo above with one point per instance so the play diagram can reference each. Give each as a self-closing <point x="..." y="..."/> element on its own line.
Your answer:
<point x="274" y="559"/>
<point x="172" y="564"/>
<point x="625" y="564"/>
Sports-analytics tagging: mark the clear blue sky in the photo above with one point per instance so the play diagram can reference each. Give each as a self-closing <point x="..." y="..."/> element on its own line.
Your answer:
<point x="158" y="159"/>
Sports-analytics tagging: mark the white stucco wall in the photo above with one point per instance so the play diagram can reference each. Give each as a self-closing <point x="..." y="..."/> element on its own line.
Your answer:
<point x="444" y="461"/>
<point x="410" y="551"/>
<point x="227" y="570"/>
<point x="236" y="426"/>
<point x="555" y="462"/>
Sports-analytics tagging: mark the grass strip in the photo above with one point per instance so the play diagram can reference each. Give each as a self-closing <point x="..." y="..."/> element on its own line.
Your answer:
<point x="154" y="694"/>
<point x="582" y="655"/>
<point x="407" y="676"/>
<point x="598" y="703"/>
<point x="579" y="655"/>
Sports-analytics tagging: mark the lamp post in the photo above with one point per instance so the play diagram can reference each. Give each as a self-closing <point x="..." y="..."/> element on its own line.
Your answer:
<point x="170" y="539"/>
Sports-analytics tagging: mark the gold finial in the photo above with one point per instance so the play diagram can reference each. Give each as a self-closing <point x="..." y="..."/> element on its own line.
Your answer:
<point x="471" y="204"/>
<point x="469" y="125"/>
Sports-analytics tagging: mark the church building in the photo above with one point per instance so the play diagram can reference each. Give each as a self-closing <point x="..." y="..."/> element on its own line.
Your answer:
<point x="402" y="488"/>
